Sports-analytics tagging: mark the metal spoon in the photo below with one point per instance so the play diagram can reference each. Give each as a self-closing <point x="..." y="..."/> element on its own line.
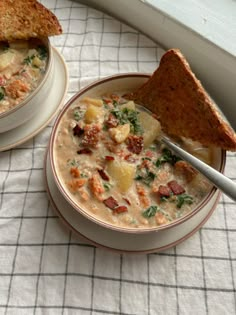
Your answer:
<point x="226" y="185"/>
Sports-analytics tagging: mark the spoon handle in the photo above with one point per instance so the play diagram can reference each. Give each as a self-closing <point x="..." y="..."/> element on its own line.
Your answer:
<point x="226" y="185"/>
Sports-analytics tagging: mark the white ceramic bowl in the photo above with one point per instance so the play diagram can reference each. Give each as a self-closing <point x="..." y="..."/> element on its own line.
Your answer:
<point x="126" y="83"/>
<point x="29" y="107"/>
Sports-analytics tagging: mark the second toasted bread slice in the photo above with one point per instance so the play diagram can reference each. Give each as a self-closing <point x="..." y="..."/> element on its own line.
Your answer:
<point x="182" y="105"/>
<point x="24" y="19"/>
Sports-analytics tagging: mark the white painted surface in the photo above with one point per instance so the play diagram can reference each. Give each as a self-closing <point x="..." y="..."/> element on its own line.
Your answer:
<point x="214" y="64"/>
<point x="213" y="19"/>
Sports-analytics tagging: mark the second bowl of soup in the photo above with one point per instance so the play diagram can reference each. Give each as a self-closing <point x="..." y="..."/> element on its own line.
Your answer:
<point x="26" y="76"/>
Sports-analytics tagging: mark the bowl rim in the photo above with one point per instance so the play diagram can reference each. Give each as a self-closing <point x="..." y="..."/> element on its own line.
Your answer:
<point x="90" y="215"/>
<point x="46" y="41"/>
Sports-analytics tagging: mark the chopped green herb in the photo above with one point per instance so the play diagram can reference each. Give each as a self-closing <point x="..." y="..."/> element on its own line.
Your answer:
<point x="105" y="127"/>
<point x="145" y="176"/>
<point x="167" y="157"/>
<point x="2" y="94"/>
<point x="107" y="186"/>
<point x="105" y="105"/>
<point x="5" y="47"/>
<point x="82" y="175"/>
<point x="184" y="198"/>
<point x="164" y="198"/>
<point x="146" y="158"/>
<point x="152" y="147"/>
<point x="72" y="162"/>
<point x="127" y="115"/>
<point x="150" y="212"/>
<point x="42" y="52"/>
<point x="78" y="113"/>
<point x="178" y="214"/>
<point x="115" y="103"/>
<point x="28" y="60"/>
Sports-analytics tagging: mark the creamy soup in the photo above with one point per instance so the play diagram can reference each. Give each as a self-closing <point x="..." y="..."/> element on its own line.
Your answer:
<point x="111" y="161"/>
<point x="22" y="66"/>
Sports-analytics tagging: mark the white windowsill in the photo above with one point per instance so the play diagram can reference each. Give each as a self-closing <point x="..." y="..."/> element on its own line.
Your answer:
<point x="204" y="30"/>
<point x="214" y="20"/>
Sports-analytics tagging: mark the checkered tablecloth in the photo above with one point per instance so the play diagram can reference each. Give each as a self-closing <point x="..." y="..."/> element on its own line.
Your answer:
<point x="46" y="269"/>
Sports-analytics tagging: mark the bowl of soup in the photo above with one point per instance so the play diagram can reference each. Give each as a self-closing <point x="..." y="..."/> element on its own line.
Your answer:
<point x="26" y="72"/>
<point x="110" y="165"/>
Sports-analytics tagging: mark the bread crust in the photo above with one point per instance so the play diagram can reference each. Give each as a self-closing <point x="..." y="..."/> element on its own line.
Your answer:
<point x="24" y="19"/>
<point x="182" y="105"/>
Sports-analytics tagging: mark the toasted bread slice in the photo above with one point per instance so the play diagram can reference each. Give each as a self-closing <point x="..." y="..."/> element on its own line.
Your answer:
<point x="182" y="105"/>
<point x="24" y="19"/>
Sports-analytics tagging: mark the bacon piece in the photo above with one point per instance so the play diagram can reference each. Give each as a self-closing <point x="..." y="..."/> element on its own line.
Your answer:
<point x="120" y="209"/>
<point x="84" y="151"/>
<point x="135" y="144"/>
<point x="103" y="175"/>
<point x="176" y="188"/>
<point x="109" y="158"/>
<point x="77" y="130"/>
<point x="106" y="100"/>
<point x="112" y="121"/>
<point x="111" y="203"/>
<point x="130" y="158"/>
<point x="164" y="191"/>
<point x="91" y="135"/>
<point x="127" y="200"/>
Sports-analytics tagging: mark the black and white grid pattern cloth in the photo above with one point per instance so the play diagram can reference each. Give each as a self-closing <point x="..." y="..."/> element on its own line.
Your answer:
<point x="46" y="269"/>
